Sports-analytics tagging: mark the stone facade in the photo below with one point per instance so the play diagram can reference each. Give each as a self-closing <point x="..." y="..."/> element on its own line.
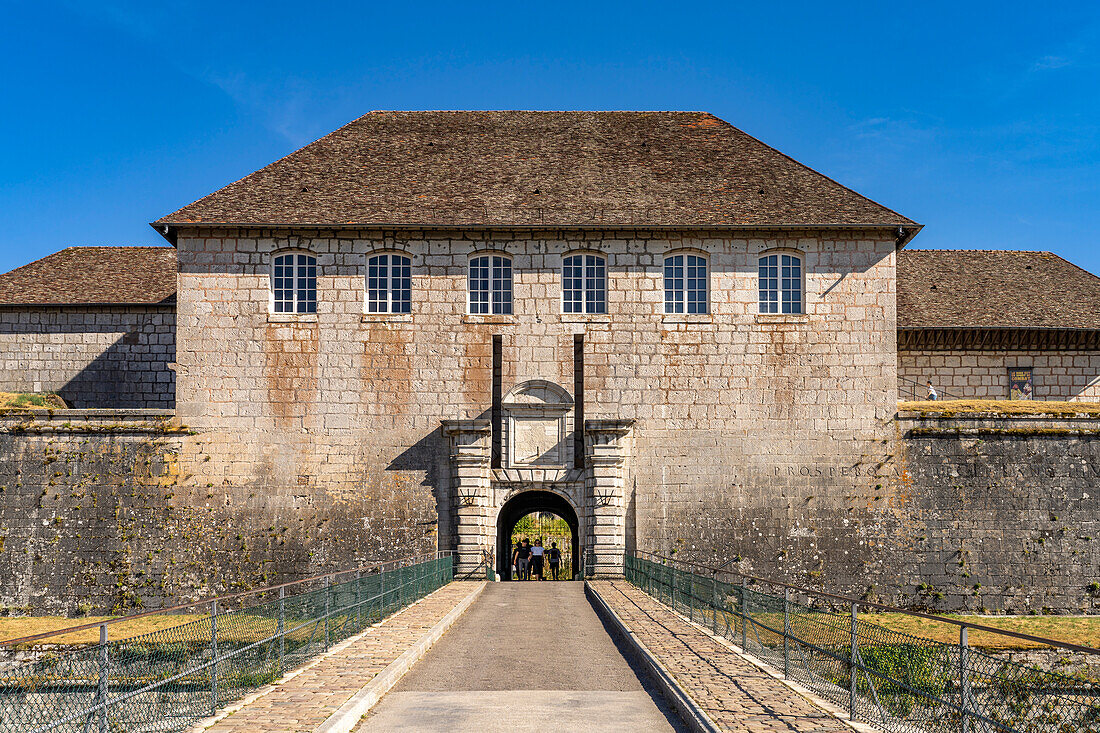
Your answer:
<point x="996" y="513"/>
<point x="1072" y="375"/>
<point x="94" y="356"/>
<point x="722" y="404"/>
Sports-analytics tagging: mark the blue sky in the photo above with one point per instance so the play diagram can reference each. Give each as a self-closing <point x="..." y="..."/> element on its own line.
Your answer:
<point x="979" y="120"/>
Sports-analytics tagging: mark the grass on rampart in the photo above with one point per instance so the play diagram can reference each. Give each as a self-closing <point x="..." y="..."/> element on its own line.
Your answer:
<point x="950" y="408"/>
<point x="31" y="401"/>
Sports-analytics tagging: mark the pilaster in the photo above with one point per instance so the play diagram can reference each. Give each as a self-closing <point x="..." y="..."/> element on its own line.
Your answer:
<point x="470" y="451"/>
<point x="606" y="453"/>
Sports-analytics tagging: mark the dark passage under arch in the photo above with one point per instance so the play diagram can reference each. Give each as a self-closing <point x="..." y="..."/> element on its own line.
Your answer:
<point x="520" y="506"/>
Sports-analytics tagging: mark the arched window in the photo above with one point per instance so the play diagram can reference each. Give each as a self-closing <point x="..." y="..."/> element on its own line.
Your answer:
<point x="389" y="283"/>
<point x="294" y="283"/>
<point x="490" y="285"/>
<point x="685" y="283"/>
<point x="584" y="284"/>
<point x="781" y="284"/>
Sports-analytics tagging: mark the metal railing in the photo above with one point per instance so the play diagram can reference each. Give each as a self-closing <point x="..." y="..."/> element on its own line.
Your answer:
<point x="167" y="679"/>
<point x="914" y="390"/>
<point x="894" y="681"/>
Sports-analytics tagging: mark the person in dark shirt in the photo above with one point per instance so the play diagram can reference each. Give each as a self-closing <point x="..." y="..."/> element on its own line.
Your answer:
<point x="524" y="560"/>
<point x="553" y="557"/>
<point x="515" y="560"/>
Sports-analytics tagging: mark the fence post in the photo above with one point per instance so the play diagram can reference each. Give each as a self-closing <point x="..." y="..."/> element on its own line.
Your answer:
<point x="104" y="664"/>
<point x="358" y="599"/>
<point x="744" y="614"/>
<point x="672" y="583"/>
<point x="714" y="601"/>
<point x="689" y="582"/>
<point x="964" y="681"/>
<point x="282" y="629"/>
<point x="214" y="653"/>
<point x="786" y="633"/>
<point x="326" y="611"/>
<point x="382" y="592"/>
<point x="852" y="665"/>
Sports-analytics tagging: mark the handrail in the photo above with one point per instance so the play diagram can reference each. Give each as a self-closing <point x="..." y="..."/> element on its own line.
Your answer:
<point x="230" y="596"/>
<point x="871" y="604"/>
<point x="915" y="393"/>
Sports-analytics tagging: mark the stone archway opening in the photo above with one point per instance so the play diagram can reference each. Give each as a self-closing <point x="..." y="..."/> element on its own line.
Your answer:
<point x="535" y="503"/>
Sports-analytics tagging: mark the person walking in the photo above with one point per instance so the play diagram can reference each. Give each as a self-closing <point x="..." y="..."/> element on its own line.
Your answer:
<point x="523" y="560"/>
<point x="515" y="560"/>
<point x="537" y="553"/>
<point x="933" y="395"/>
<point x="553" y="557"/>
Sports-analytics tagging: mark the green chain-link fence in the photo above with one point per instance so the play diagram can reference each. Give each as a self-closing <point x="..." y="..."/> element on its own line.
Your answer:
<point x="895" y="681"/>
<point x="168" y="679"/>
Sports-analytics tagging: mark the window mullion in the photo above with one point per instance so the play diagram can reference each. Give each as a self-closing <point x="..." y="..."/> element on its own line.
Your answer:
<point x="388" y="284"/>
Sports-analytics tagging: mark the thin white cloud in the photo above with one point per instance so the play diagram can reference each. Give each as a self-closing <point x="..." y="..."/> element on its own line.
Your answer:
<point x="1050" y="62"/>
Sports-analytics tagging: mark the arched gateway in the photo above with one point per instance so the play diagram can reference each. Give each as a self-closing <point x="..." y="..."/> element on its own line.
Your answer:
<point x="532" y="455"/>
<point x="528" y="502"/>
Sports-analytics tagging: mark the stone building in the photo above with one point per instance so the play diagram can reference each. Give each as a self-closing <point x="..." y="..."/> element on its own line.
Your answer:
<point x="96" y="325"/>
<point x="967" y="319"/>
<point x="425" y="325"/>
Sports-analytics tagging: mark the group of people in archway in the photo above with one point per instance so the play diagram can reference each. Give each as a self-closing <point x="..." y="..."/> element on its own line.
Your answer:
<point x="528" y="560"/>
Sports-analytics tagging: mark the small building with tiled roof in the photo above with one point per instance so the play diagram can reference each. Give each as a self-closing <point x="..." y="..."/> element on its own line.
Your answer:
<point x="971" y="320"/>
<point x="96" y="325"/>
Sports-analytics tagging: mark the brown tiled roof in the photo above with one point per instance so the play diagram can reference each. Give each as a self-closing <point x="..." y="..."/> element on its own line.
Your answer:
<point x="994" y="289"/>
<point x="94" y="275"/>
<point x="538" y="169"/>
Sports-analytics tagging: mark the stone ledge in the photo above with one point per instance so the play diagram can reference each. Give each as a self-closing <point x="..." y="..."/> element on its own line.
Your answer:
<point x="137" y="420"/>
<point x="918" y="425"/>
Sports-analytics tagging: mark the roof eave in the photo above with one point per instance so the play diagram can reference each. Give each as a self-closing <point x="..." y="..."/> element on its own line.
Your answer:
<point x="169" y="230"/>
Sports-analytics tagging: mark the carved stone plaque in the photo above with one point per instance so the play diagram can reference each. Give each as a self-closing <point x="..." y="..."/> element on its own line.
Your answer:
<point x="536" y="441"/>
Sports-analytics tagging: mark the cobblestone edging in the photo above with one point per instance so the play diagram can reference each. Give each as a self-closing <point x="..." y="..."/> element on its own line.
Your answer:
<point x="691" y="714"/>
<point x="304" y="700"/>
<point x="732" y="692"/>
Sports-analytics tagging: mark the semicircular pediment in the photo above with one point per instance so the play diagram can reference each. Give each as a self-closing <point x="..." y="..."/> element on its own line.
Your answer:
<point x="538" y="393"/>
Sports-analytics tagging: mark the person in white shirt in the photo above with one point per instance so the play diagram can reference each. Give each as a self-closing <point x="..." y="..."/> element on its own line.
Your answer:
<point x="537" y="553"/>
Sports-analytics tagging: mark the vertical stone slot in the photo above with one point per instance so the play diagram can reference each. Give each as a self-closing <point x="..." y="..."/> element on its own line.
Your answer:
<point x="497" y="417"/>
<point x="578" y="400"/>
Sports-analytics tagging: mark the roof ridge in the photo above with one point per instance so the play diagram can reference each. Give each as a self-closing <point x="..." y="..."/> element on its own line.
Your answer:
<point x="546" y="111"/>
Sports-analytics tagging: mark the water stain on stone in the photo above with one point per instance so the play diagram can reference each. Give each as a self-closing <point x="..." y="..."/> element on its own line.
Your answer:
<point x="290" y="370"/>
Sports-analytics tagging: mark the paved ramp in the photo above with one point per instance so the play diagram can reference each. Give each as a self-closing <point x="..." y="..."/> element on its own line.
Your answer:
<point x="526" y="656"/>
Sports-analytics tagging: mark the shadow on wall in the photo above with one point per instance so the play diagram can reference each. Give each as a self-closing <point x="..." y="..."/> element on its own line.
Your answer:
<point x="430" y="456"/>
<point x="107" y="358"/>
<point x="122" y="377"/>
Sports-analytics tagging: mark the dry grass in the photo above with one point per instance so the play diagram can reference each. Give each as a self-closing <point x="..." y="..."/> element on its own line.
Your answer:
<point x="245" y="628"/>
<point x="30" y="401"/>
<point x="20" y="626"/>
<point x="1081" y="630"/>
<point x="1004" y="407"/>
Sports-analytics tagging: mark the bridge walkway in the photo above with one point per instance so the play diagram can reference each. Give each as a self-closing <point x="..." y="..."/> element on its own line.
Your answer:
<point x="526" y="656"/>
